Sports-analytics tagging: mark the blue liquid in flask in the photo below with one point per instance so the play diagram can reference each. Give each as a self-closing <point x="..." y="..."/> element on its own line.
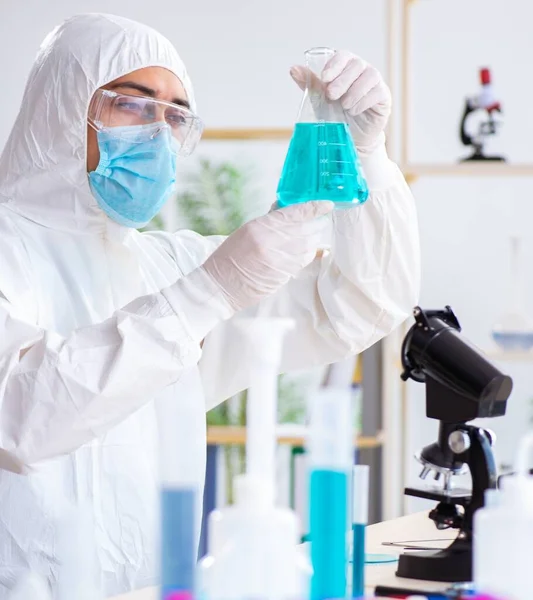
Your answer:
<point x="322" y="164"/>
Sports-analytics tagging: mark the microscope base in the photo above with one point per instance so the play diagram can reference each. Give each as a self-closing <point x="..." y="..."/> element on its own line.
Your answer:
<point x="481" y="157"/>
<point x="454" y="564"/>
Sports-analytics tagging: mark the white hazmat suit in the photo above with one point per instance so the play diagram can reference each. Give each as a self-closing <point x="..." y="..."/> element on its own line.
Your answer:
<point x="88" y="341"/>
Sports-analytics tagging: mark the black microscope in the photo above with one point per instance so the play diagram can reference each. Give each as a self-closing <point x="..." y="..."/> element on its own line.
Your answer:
<point x="461" y="385"/>
<point x="485" y="102"/>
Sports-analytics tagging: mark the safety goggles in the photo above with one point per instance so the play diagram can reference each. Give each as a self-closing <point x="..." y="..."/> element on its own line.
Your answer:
<point x="118" y="113"/>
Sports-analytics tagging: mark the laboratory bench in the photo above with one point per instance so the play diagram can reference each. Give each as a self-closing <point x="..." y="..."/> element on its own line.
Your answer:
<point x="409" y="529"/>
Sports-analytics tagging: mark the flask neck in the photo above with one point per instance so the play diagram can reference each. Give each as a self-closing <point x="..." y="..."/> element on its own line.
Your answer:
<point x="317" y="58"/>
<point x="316" y="107"/>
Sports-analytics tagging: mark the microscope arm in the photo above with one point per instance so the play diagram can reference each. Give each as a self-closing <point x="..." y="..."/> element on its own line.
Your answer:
<point x="480" y="460"/>
<point x="466" y="139"/>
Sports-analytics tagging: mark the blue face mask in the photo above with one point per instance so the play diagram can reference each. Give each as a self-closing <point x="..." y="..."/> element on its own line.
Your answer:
<point x="136" y="173"/>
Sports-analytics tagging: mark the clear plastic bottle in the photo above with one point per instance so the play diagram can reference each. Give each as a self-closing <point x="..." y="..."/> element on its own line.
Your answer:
<point x="253" y="545"/>
<point x="253" y="549"/>
<point x="503" y="535"/>
<point x="513" y="331"/>
<point x="322" y="162"/>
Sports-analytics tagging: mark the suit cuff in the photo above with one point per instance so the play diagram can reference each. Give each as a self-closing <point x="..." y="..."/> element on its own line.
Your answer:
<point x="380" y="172"/>
<point x="198" y="302"/>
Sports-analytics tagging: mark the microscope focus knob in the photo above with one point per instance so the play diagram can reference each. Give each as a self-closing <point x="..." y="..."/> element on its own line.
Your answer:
<point x="459" y="441"/>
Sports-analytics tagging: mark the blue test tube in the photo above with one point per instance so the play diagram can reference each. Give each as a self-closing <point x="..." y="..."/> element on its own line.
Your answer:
<point x="331" y="460"/>
<point x="178" y="542"/>
<point x="359" y="523"/>
<point x="179" y="508"/>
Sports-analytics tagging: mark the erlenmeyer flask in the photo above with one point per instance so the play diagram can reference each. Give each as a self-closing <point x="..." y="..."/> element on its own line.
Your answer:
<point x="513" y="331"/>
<point x="321" y="163"/>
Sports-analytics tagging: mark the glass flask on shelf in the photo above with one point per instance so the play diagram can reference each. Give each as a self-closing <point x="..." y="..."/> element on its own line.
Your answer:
<point x="321" y="162"/>
<point x="513" y="330"/>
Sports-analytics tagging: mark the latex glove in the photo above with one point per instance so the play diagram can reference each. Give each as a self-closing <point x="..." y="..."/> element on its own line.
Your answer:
<point x="264" y="254"/>
<point x="362" y="92"/>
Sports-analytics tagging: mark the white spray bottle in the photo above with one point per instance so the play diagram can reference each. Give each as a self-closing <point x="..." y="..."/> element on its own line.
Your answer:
<point x="253" y="545"/>
<point x="503" y="534"/>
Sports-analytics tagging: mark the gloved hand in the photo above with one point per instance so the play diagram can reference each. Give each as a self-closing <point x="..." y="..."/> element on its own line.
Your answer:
<point x="264" y="254"/>
<point x="363" y="95"/>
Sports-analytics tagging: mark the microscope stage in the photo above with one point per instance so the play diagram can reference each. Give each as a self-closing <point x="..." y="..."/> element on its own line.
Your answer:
<point x="455" y="496"/>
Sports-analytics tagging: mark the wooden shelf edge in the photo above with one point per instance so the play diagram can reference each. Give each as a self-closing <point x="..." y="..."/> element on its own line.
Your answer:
<point x="229" y="436"/>
<point x="411" y="171"/>
<point x="480" y="169"/>
<point x="270" y="133"/>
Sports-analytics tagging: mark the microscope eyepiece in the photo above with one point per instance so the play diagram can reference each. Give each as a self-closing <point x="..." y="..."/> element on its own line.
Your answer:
<point x="462" y="384"/>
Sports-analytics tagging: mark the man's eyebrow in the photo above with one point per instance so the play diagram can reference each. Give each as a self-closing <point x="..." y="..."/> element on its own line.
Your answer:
<point x="147" y="91"/>
<point x="181" y="102"/>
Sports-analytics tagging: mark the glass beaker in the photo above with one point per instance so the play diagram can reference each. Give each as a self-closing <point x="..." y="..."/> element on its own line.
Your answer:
<point x="513" y="331"/>
<point x="321" y="162"/>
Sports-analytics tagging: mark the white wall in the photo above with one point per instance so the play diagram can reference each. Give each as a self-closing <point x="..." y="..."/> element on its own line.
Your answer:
<point x="239" y="53"/>
<point x="465" y="222"/>
<point x="451" y="40"/>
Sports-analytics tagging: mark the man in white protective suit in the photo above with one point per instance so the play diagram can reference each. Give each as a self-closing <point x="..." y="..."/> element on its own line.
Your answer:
<point x="100" y="324"/>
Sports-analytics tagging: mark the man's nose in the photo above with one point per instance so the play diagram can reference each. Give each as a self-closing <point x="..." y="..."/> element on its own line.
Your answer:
<point x="160" y="113"/>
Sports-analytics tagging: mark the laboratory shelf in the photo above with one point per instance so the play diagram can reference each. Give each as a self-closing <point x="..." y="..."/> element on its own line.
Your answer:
<point x="469" y="169"/>
<point x="411" y="171"/>
<point x="400" y="30"/>
<point x="269" y="133"/>
<point x="229" y="435"/>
